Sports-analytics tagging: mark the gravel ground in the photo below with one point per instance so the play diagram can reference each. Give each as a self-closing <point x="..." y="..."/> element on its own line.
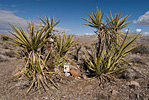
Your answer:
<point x="71" y="88"/>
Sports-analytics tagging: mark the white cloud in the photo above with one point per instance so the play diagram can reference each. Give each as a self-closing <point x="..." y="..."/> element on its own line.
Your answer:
<point x="9" y="17"/>
<point x="89" y="33"/>
<point x="145" y="34"/>
<point x="138" y="30"/>
<point x="143" y="19"/>
<point x="126" y="30"/>
<point x="61" y="29"/>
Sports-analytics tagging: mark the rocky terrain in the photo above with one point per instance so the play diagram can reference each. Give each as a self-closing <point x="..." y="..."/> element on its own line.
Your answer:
<point x="132" y="84"/>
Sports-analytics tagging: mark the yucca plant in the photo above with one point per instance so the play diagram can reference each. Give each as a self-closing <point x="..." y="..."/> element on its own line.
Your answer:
<point x="64" y="46"/>
<point x="106" y="64"/>
<point x="95" y="19"/>
<point x="109" y="54"/>
<point x="30" y="44"/>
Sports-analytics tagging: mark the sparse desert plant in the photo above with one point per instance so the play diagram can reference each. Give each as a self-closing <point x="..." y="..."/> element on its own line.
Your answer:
<point x="4" y="38"/>
<point x="109" y="54"/>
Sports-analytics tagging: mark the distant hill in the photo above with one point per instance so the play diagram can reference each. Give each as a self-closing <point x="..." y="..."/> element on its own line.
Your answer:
<point x="89" y="39"/>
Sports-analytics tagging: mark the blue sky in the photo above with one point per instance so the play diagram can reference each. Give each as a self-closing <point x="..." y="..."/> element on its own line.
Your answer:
<point x="71" y="11"/>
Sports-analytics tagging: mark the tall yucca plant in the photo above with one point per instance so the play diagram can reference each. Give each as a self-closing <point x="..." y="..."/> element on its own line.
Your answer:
<point x="106" y="32"/>
<point x="109" y="55"/>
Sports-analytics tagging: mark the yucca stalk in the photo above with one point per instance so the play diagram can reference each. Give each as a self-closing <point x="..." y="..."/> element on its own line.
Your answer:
<point x="50" y="23"/>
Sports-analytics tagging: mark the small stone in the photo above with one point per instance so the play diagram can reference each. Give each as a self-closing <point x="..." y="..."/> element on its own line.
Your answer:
<point x="114" y="92"/>
<point x="45" y="98"/>
<point x="74" y="73"/>
<point x="133" y="83"/>
<point x="84" y="76"/>
<point x="3" y="58"/>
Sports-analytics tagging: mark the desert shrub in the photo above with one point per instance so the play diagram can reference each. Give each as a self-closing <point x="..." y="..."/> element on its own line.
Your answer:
<point x="4" y="38"/>
<point x="142" y="49"/>
<point x="109" y="56"/>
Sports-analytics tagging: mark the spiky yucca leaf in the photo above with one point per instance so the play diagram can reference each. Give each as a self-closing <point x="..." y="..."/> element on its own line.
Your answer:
<point x="31" y="41"/>
<point x="117" y="23"/>
<point x="95" y="19"/>
<point x="51" y="23"/>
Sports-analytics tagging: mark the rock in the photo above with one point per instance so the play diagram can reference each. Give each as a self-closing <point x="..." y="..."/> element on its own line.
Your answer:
<point x="139" y="60"/>
<point x="131" y="74"/>
<point x="74" y="73"/>
<point x="114" y="92"/>
<point x="10" y="53"/>
<point x="3" y="58"/>
<point x="23" y="84"/>
<point x="84" y="76"/>
<point x="133" y="83"/>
